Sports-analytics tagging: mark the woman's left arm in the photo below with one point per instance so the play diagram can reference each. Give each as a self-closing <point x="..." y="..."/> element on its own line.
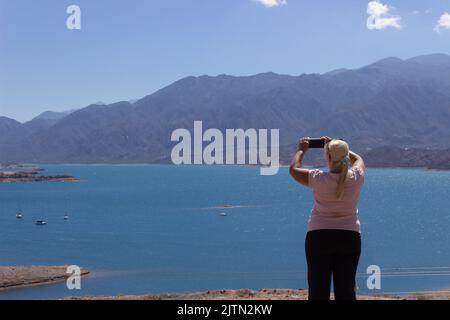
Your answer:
<point x="300" y="174"/>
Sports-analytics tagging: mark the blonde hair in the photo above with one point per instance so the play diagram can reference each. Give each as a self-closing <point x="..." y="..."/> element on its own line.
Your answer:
<point x="338" y="152"/>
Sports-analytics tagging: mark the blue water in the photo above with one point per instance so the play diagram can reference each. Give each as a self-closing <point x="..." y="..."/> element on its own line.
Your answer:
<point x="152" y="229"/>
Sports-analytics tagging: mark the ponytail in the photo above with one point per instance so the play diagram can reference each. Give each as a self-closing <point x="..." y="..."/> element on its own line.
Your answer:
<point x="337" y="151"/>
<point x="341" y="180"/>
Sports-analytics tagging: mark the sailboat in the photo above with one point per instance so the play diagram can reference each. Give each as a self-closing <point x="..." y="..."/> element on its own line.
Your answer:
<point x="41" y="222"/>
<point x="19" y="212"/>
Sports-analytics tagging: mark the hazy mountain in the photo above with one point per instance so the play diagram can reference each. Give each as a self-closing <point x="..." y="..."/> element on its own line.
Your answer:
<point x="11" y="130"/>
<point x="53" y="115"/>
<point x="390" y="102"/>
<point x="46" y="120"/>
<point x="408" y="157"/>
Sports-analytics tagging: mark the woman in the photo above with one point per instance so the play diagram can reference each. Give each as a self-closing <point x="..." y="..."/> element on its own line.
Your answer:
<point x="333" y="241"/>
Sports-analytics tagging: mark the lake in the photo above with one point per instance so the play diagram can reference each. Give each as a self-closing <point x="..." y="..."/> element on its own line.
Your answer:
<point x="152" y="229"/>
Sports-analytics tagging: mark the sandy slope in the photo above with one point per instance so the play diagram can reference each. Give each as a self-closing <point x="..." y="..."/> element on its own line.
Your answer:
<point x="15" y="277"/>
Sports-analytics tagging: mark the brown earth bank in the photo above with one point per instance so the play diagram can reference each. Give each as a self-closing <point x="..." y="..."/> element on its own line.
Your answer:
<point x="264" y="294"/>
<point x="17" y="277"/>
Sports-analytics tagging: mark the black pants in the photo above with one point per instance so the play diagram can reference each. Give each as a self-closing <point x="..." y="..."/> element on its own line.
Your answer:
<point x="332" y="254"/>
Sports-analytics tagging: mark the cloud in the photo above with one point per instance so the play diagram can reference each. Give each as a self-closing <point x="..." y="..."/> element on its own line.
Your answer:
<point x="427" y="11"/>
<point x="272" y="3"/>
<point x="443" y="22"/>
<point x="380" y="18"/>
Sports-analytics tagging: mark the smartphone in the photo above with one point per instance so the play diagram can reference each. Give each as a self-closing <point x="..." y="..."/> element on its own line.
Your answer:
<point x="317" y="143"/>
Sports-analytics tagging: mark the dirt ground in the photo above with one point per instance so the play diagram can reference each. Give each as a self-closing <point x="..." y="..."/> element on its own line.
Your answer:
<point x="265" y="294"/>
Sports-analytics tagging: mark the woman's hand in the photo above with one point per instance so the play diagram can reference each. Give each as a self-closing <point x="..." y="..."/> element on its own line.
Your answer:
<point x="303" y="145"/>
<point x="326" y="139"/>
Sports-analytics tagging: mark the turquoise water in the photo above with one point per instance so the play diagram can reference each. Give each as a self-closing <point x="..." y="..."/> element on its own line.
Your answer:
<point x="145" y="229"/>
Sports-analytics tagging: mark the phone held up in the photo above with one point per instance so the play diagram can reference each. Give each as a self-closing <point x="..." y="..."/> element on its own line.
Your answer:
<point x="317" y="143"/>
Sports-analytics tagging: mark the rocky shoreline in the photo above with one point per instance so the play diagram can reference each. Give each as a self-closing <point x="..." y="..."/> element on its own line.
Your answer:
<point x="18" y="173"/>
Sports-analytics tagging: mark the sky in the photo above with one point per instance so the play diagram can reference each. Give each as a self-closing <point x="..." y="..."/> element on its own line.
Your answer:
<point x="127" y="49"/>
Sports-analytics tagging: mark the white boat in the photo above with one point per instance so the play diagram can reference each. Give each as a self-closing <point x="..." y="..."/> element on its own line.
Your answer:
<point x="41" y="223"/>
<point x="223" y="214"/>
<point x="66" y="216"/>
<point x="19" y="211"/>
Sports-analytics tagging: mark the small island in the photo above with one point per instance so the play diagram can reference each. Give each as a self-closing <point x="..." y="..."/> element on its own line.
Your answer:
<point x="21" y="173"/>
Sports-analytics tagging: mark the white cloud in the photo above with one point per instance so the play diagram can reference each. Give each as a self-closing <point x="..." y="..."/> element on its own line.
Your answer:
<point x="443" y="22"/>
<point x="427" y="11"/>
<point x="272" y="3"/>
<point x="380" y="18"/>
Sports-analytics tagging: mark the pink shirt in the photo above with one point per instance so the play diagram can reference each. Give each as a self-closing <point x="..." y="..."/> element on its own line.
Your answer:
<point x="329" y="212"/>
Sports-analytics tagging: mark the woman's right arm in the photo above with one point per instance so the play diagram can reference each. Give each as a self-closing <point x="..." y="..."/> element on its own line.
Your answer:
<point x="357" y="161"/>
<point x="300" y="174"/>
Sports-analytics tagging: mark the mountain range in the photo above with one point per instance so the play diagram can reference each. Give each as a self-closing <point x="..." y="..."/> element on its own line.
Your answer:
<point x="392" y="102"/>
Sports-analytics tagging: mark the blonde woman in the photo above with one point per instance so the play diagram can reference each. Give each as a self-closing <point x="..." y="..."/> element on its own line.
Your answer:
<point x="333" y="241"/>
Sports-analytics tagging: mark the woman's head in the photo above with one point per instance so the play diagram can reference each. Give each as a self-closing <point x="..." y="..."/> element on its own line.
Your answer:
<point x="337" y="156"/>
<point x="336" y="151"/>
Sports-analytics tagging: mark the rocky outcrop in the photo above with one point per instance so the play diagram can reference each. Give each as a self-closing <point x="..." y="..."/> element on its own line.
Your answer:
<point x="33" y="176"/>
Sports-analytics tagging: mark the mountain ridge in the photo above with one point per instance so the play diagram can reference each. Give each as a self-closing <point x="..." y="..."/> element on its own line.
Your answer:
<point x="398" y="102"/>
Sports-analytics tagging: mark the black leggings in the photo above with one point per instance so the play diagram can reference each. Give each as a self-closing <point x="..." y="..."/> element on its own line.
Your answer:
<point x="332" y="253"/>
